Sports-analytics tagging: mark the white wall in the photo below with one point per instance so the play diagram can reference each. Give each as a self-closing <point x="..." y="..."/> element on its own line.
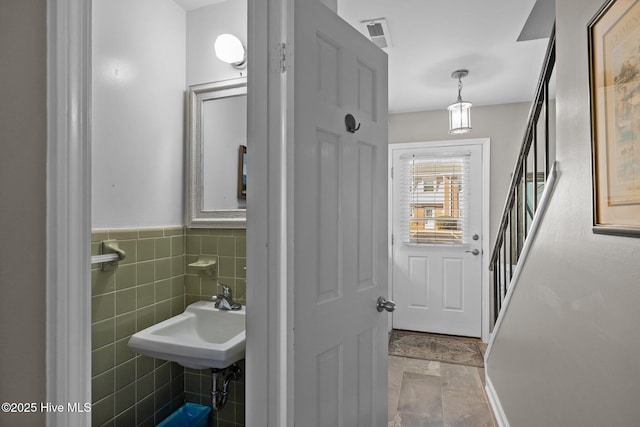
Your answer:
<point x="204" y="25"/>
<point x="503" y="124"/>
<point x="567" y="353"/>
<point x="331" y="4"/>
<point x="139" y="50"/>
<point x="145" y="54"/>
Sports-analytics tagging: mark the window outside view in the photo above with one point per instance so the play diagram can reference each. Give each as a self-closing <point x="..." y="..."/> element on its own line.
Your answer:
<point x="437" y="200"/>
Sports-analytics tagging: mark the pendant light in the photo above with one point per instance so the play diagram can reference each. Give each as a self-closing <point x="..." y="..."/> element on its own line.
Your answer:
<point x="459" y="111"/>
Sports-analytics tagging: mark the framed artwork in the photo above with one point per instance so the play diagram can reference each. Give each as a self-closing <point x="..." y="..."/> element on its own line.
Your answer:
<point x="614" y="68"/>
<point x="242" y="172"/>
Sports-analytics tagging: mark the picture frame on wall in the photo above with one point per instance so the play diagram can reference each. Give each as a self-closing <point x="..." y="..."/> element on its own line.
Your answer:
<point x="614" y="71"/>
<point x="242" y="172"/>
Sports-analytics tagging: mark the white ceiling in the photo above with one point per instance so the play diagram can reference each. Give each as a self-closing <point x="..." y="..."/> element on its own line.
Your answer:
<point x="432" y="38"/>
<point x="196" y="4"/>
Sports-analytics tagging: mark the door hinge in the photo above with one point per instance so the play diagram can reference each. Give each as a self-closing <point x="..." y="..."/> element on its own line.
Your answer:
<point x="283" y="57"/>
<point x="391" y="173"/>
<point x="279" y="58"/>
<point x="392" y="239"/>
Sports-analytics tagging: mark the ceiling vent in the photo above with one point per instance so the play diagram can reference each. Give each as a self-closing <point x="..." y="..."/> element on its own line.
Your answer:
<point x="377" y="31"/>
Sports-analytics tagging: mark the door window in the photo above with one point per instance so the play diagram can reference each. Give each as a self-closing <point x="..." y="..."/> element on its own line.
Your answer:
<point x="435" y="198"/>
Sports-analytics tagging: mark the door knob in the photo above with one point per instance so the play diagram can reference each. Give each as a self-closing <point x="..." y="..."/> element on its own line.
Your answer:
<point x="474" y="251"/>
<point x="384" y="304"/>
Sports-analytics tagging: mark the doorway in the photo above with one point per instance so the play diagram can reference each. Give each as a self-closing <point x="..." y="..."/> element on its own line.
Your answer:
<point x="439" y="225"/>
<point x="69" y="357"/>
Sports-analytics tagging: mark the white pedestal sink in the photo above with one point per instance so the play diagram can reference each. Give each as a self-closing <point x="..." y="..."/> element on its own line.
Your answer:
<point x="201" y="337"/>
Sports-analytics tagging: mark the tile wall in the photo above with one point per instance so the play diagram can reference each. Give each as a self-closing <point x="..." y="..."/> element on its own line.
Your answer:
<point x="230" y="248"/>
<point x="152" y="284"/>
<point x="146" y="288"/>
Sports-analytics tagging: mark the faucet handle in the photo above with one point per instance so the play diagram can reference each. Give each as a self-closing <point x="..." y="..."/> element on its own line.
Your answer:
<point x="226" y="290"/>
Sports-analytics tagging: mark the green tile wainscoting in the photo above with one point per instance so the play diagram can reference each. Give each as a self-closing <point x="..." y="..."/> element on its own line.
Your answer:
<point x="197" y="385"/>
<point x="230" y="248"/>
<point x="152" y="284"/>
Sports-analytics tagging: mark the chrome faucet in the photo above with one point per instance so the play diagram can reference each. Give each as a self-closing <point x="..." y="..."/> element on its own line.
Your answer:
<point x="225" y="300"/>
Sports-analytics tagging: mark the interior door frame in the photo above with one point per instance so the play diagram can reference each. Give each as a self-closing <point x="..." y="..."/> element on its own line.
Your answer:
<point x="485" y="143"/>
<point x="269" y="379"/>
<point x="269" y="352"/>
<point x="68" y="278"/>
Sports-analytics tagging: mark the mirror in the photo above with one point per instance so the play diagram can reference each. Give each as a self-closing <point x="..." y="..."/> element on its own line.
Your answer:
<point x="217" y="130"/>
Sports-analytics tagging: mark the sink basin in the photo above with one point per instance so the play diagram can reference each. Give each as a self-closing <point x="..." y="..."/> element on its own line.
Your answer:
<point x="201" y="337"/>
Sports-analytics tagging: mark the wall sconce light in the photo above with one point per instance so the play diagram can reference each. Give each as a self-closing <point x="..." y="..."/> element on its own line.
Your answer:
<point x="459" y="111"/>
<point x="230" y="49"/>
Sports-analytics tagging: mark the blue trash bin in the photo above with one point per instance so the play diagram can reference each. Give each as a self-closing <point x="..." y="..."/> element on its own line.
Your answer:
<point x="188" y="415"/>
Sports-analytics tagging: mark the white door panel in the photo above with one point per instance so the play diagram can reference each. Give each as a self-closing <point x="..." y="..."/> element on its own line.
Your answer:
<point x="339" y="223"/>
<point x="438" y="286"/>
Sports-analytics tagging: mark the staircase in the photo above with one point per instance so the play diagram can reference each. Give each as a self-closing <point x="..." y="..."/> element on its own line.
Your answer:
<point x="530" y="178"/>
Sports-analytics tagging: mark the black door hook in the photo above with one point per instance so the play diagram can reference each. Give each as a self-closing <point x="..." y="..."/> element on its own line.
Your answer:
<point x="350" y="122"/>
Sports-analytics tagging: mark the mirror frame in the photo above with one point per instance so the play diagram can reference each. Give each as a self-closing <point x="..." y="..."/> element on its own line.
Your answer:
<point x="197" y="217"/>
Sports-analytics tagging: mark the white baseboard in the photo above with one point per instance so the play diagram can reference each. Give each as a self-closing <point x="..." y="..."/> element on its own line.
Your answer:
<point x="494" y="401"/>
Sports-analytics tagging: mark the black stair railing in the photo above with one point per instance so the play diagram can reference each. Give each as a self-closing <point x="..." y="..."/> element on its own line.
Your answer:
<point x="527" y="182"/>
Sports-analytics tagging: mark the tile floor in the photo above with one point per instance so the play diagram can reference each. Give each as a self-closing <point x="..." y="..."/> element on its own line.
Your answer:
<point x="425" y="393"/>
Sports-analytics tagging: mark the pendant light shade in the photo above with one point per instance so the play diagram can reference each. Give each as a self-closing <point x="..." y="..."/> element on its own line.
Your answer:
<point x="459" y="111"/>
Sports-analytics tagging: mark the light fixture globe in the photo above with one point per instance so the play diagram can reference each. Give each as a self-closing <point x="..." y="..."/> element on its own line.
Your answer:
<point x="459" y="111"/>
<point x="230" y="49"/>
<point x="459" y="117"/>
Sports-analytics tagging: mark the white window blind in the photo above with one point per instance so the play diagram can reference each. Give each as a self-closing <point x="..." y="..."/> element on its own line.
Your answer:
<point x="434" y="193"/>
